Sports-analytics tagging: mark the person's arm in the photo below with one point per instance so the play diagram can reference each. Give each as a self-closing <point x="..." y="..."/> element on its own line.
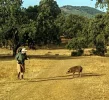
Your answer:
<point x="26" y="58"/>
<point x="17" y="56"/>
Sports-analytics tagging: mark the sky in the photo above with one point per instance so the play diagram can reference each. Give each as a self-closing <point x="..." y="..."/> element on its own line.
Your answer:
<point x="90" y="3"/>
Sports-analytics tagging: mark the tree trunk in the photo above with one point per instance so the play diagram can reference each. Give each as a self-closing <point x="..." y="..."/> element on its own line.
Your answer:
<point x="15" y="49"/>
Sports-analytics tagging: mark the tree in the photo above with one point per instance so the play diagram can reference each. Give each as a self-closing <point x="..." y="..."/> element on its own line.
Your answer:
<point x="73" y="25"/>
<point x="97" y="34"/>
<point x="76" y="43"/>
<point x="47" y="31"/>
<point x="102" y="4"/>
<point x="28" y="33"/>
<point x="60" y="21"/>
<point x="12" y="35"/>
<point x="32" y="12"/>
<point x="100" y="45"/>
<point x="76" y="29"/>
<point x="10" y="11"/>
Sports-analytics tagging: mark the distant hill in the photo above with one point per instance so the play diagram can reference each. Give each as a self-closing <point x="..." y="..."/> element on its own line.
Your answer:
<point x="80" y="10"/>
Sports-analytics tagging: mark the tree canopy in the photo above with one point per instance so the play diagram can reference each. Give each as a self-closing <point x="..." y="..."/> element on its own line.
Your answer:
<point x="47" y="31"/>
<point x="102" y="3"/>
<point x="44" y="24"/>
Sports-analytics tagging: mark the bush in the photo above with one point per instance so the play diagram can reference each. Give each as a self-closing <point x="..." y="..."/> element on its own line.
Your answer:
<point x="99" y="52"/>
<point x="73" y="53"/>
<point x="77" y="53"/>
<point x="94" y="52"/>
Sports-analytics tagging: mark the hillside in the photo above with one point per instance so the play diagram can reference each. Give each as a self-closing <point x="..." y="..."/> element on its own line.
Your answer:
<point x="81" y="10"/>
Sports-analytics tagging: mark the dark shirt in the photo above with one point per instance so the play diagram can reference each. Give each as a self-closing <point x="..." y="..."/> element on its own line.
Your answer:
<point x="21" y="58"/>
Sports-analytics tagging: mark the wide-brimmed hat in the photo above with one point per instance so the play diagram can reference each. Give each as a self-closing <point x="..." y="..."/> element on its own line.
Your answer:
<point x="24" y="50"/>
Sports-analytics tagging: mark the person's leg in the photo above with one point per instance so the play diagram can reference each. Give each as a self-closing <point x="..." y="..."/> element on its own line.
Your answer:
<point x="22" y="71"/>
<point x="22" y="75"/>
<point x="18" y="75"/>
<point x="24" y="67"/>
<point x="18" y="71"/>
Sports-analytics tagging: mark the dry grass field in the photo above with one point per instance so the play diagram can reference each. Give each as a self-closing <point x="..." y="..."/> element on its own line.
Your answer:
<point x="46" y="78"/>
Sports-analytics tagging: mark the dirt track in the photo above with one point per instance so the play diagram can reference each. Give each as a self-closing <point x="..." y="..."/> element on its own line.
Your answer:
<point x="52" y="83"/>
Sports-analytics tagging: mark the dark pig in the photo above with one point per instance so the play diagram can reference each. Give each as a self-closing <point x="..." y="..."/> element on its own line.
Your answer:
<point x="75" y="69"/>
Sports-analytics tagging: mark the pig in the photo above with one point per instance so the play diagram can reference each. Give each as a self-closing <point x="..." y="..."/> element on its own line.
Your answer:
<point x="75" y="69"/>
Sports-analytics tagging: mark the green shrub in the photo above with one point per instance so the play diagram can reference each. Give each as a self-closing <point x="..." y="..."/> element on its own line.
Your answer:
<point x="77" y="53"/>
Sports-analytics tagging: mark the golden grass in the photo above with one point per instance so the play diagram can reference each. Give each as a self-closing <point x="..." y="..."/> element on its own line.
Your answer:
<point x="5" y="51"/>
<point x="94" y="84"/>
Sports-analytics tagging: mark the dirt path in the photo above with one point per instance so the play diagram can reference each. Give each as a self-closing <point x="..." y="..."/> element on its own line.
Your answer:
<point x="52" y="83"/>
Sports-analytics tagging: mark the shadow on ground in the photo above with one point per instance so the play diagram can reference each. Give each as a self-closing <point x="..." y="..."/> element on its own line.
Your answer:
<point x="4" y="57"/>
<point x="50" y="57"/>
<point x="65" y="77"/>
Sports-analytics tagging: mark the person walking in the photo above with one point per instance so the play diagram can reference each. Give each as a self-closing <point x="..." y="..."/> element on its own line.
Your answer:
<point x="21" y="57"/>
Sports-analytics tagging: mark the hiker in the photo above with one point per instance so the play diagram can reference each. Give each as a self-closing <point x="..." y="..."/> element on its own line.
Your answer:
<point x="21" y="57"/>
